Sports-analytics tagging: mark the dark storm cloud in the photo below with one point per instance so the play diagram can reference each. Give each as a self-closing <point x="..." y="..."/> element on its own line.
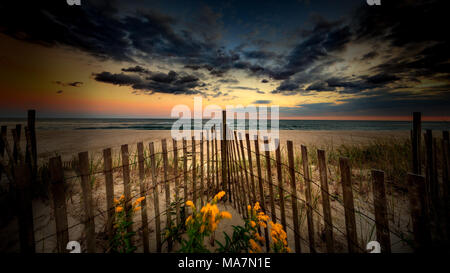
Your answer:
<point x="379" y="104"/>
<point x="411" y="30"/>
<point x="369" y="56"/>
<point x="169" y="83"/>
<point x="73" y="84"/>
<point x="136" y="69"/>
<point x="409" y="25"/>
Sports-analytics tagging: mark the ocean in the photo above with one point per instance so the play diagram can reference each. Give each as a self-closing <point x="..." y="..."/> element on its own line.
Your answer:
<point x="166" y="124"/>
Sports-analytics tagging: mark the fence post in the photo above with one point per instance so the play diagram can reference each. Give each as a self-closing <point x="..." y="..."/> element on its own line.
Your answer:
<point x="109" y="184"/>
<point x="2" y="145"/>
<point x="216" y="138"/>
<point x="25" y="209"/>
<point x="126" y="182"/>
<point x="208" y="179"/>
<point x="16" y="136"/>
<point x="143" y="190"/>
<point x="243" y="170"/>
<point x="325" y="201"/>
<point x="269" y="178"/>
<point x="89" y="223"/>
<point x="194" y="172"/>
<point x="202" y="187"/>
<point x="309" y="212"/>
<point x="185" y="174"/>
<point x="261" y="189"/>
<point x="240" y="185"/>
<point x="224" y="153"/>
<point x="59" y="203"/>
<point x="290" y="149"/>
<point x="416" y="142"/>
<point x="250" y="167"/>
<point x="167" y="186"/>
<point x="280" y="184"/>
<point x="155" y="198"/>
<point x="232" y="178"/>
<point x="177" y="184"/>
<point x="350" y="222"/>
<point x="381" y="216"/>
<point x="445" y="183"/>
<point x="32" y="128"/>
<point x="419" y="212"/>
<point x="247" y="183"/>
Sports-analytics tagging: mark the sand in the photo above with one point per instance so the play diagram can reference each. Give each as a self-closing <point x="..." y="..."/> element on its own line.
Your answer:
<point x="68" y="143"/>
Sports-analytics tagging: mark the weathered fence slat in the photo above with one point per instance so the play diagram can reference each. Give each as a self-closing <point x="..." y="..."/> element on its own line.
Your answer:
<point x="247" y="183"/>
<point x="350" y="222"/>
<point x="381" y="216"/>
<point x="143" y="190"/>
<point x="59" y="203"/>
<point x="32" y="128"/>
<point x="419" y="212"/>
<point x="25" y="209"/>
<point x="290" y="149"/>
<point x="280" y="183"/>
<point x="269" y="178"/>
<point x="208" y="169"/>
<point x="223" y="154"/>
<point x="245" y="192"/>
<point x="309" y="205"/>
<point x="194" y="172"/>
<point x="416" y="142"/>
<point x="109" y="184"/>
<point x="177" y="184"/>
<point x="216" y="139"/>
<point x="185" y="175"/>
<point x="167" y="186"/>
<point x="16" y="136"/>
<point x="89" y="223"/>
<point x="232" y="178"/>
<point x="325" y="201"/>
<point x="126" y="182"/>
<point x="155" y="197"/>
<point x="202" y="186"/>
<point x="239" y="175"/>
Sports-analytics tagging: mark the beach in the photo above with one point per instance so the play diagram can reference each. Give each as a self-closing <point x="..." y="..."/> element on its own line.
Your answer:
<point x="68" y="143"/>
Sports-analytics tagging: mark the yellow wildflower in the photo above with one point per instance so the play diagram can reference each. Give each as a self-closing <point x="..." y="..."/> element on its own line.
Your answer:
<point x="137" y="208"/>
<point x="252" y="223"/>
<point x="119" y="209"/>
<point x="190" y="204"/>
<point x="219" y="195"/>
<point x="225" y="214"/>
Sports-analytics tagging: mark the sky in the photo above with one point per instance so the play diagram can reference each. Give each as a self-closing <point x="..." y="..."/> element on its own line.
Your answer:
<point x="314" y="59"/>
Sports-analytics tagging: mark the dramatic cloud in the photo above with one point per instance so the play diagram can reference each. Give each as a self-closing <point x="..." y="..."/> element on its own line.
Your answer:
<point x="73" y="84"/>
<point x="169" y="83"/>
<point x="400" y="47"/>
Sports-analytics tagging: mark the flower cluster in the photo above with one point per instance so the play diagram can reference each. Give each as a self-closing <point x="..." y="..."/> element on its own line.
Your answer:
<point x="209" y="215"/>
<point x="120" y="203"/>
<point x="279" y="238"/>
<point x="202" y="223"/>
<point x="256" y="219"/>
<point x="122" y="242"/>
